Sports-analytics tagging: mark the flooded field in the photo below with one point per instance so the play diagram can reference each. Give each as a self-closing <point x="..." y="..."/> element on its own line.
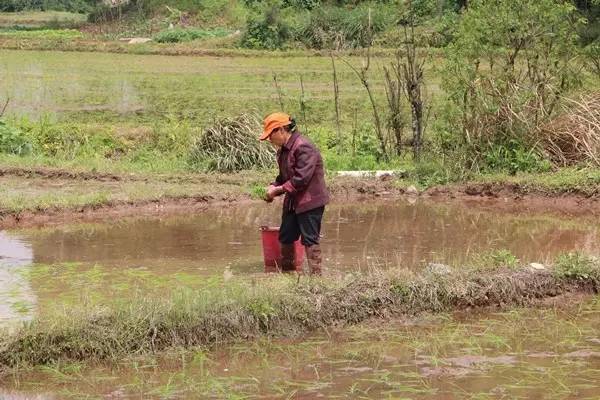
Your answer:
<point x="521" y="354"/>
<point x="48" y="267"/>
<point x="524" y="353"/>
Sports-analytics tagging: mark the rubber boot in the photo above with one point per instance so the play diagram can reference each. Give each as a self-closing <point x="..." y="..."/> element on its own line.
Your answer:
<point x="313" y="256"/>
<point x="287" y="258"/>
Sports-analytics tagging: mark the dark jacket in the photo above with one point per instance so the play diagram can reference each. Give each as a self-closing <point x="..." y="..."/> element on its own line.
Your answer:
<point x="301" y="174"/>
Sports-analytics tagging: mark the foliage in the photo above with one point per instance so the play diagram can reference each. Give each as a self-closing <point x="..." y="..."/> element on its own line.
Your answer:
<point x="340" y="28"/>
<point x="266" y="30"/>
<point x="513" y="156"/>
<point x="591" y="54"/>
<point x="506" y="70"/>
<point x="13" y="140"/>
<point x="185" y="35"/>
<point x="576" y="265"/>
<point x="231" y="144"/>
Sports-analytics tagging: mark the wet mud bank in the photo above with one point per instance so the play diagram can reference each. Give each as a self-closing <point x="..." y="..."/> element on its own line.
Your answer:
<point x="278" y="306"/>
<point x="508" y="197"/>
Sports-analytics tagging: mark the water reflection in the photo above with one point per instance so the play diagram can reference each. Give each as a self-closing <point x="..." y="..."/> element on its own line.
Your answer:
<point x="16" y="297"/>
<point x="355" y="236"/>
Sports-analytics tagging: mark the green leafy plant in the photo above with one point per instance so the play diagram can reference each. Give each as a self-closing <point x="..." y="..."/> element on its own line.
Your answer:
<point x="185" y="35"/>
<point x="512" y="156"/>
<point x="267" y="30"/>
<point x="575" y="265"/>
<point x="13" y="140"/>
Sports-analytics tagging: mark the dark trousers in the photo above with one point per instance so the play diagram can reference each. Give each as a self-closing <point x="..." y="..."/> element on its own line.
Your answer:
<point x="306" y="225"/>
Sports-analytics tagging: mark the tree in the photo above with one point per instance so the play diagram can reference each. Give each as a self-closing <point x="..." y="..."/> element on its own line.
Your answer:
<point x="508" y="67"/>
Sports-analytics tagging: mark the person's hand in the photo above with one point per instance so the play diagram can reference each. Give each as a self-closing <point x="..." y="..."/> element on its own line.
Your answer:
<point x="272" y="192"/>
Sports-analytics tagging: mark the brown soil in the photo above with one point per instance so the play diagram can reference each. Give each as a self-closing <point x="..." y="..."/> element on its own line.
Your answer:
<point x="508" y="198"/>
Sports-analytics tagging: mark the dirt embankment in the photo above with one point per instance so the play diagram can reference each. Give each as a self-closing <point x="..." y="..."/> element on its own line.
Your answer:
<point x="499" y="197"/>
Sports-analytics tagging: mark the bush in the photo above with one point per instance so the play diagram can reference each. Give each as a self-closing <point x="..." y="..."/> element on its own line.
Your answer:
<point x="591" y="55"/>
<point x="503" y="78"/>
<point x="13" y="140"/>
<point x="185" y="35"/>
<point x="266" y="30"/>
<point x="575" y="266"/>
<point x="513" y="156"/>
<point x="336" y="27"/>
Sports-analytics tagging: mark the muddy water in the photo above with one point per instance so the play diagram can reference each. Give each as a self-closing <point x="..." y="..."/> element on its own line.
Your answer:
<point x="41" y="269"/>
<point x="521" y="354"/>
<point x="355" y="236"/>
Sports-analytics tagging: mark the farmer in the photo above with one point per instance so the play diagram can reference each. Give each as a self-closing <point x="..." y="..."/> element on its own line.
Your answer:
<point x="301" y="179"/>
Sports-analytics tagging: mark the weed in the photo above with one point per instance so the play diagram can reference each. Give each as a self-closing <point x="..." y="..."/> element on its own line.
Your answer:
<point x="576" y="266"/>
<point x="185" y="35"/>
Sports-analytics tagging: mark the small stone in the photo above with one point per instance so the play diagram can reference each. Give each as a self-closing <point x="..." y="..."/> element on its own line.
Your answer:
<point x="537" y="266"/>
<point x="411" y="190"/>
<point x="139" y="40"/>
<point x="437" y="269"/>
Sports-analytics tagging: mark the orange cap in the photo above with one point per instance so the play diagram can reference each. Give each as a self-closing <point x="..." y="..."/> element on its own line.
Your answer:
<point x="274" y="121"/>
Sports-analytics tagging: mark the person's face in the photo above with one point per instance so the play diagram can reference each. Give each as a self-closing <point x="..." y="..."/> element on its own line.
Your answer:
<point x="277" y="137"/>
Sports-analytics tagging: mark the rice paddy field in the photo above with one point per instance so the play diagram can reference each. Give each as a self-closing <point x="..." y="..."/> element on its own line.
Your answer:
<point x="125" y="124"/>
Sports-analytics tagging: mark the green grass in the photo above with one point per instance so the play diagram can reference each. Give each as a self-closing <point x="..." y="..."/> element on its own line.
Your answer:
<point x="57" y="34"/>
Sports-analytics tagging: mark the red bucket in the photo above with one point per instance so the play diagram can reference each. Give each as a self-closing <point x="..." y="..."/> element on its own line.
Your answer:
<point x="272" y="250"/>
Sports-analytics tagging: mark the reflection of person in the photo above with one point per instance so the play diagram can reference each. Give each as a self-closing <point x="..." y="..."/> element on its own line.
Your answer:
<point x="301" y="178"/>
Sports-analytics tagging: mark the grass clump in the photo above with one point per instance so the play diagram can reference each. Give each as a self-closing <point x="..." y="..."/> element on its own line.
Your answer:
<point x="13" y="140"/>
<point x="178" y="35"/>
<point x="279" y="306"/>
<point x="577" y="266"/>
<point x="500" y="258"/>
<point x="232" y="144"/>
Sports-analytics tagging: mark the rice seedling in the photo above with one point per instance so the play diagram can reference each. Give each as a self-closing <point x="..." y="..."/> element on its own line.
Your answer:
<point x="276" y="307"/>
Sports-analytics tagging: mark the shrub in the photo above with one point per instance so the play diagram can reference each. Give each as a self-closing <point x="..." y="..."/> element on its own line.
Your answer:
<point x="336" y="27"/>
<point x="575" y="266"/>
<point x="507" y="68"/>
<point x="513" y="156"/>
<point x="13" y="140"/>
<point x="266" y="30"/>
<point x="185" y="35"/>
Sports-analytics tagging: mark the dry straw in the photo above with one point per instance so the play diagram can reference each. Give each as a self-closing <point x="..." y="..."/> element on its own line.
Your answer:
<point x="231" y="144"/>
<point x="574" y="136"/>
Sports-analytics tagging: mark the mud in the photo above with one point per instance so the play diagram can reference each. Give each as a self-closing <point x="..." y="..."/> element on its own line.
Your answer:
<point x="500" y="198"/>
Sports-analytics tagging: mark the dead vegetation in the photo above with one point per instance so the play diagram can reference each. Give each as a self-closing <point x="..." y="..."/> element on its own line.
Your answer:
<point x="574" y="136"/>
<point x="231" y="144"/>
